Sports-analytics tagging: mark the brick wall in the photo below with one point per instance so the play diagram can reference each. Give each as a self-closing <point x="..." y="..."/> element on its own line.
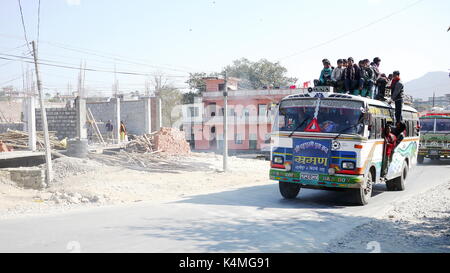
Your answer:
<point x="18" y="126"/>
<point x="60" y="120"/>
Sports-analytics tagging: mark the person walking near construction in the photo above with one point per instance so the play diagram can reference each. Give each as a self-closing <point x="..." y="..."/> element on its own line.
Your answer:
<point x="109" y="131"/>
<point x="397" y="95"/>
<point x="123" y="131"/>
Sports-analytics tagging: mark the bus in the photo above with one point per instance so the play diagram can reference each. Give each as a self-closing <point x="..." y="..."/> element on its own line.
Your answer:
<point x="435" y="136"/>
<point x="326" y="140"/>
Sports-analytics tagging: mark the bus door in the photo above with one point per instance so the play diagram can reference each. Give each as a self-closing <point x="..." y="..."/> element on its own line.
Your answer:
<point x="385" y="159"/>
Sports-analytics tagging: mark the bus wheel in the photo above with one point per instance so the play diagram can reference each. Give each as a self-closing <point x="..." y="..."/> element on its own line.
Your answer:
<point x="398" y="183"/>
<point x="289" y="190"/>
<point x="420" y="159"/>
<point x="364" y="193"/>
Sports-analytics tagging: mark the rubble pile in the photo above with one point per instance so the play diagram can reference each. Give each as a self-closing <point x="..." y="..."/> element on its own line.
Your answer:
<point x="69" y="166"/>
<point x="140" y="144"/>
<point x="171" y="141"/>
<point x="19" y="140"/>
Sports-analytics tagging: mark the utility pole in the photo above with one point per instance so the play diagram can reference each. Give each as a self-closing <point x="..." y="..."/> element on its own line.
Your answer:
<point x="48" y="156"/>
<point x="225" y="124"/>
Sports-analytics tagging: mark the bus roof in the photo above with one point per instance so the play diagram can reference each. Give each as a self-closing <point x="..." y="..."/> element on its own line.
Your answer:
<point x="339" y="96"/>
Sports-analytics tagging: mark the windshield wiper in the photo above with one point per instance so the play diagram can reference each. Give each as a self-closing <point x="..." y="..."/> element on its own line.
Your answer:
<point x="298" y="127"/>
<point x="354" y="125"/>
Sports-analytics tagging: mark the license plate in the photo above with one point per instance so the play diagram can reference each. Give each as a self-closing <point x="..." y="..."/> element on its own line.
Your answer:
<point x="309" y="177"/>
<point x="434" y="152"/>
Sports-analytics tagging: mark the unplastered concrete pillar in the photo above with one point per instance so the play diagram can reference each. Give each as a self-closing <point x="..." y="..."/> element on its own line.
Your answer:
<point x="159" y="113"/>
<point x="80" y="105"/>
<point x="116" y="119"/>
<point x="148" y="115"/>
<point x="29" y="107"/>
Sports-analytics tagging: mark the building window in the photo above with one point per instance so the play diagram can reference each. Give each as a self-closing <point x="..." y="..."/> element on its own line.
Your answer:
<point x="262" y="109"/>
<point x="193" y="111"/>
<point x="238" y="139"/>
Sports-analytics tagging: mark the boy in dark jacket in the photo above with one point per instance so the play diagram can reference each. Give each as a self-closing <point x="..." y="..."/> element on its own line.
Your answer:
<point x="397" y="95"/>
<point x="352" y="78"/>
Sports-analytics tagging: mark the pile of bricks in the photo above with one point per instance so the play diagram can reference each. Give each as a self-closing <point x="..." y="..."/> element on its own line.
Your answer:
<point x="171" y="141"/>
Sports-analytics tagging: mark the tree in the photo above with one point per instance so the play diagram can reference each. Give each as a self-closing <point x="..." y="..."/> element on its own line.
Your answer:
<point x="196" y="81"/>
<point x="256" y="75"/>
<point x="253" y="75"/>
<point x="171" y="99"/>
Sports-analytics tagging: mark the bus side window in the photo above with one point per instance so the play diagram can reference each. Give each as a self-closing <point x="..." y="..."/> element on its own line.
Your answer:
<point x="378" y="128"/>
<point x="373" y="126"/>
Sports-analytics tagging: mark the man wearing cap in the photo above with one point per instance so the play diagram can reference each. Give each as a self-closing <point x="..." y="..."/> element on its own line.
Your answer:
<point x="397" y="95"/>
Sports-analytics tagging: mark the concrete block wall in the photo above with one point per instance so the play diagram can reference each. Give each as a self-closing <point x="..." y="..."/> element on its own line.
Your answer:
<point x="102" y="112"/>
<point x="18" y="126"/>
<point x="60" y="120"/>
<point x="28" y="177"/>
<point x="132" y="113"/>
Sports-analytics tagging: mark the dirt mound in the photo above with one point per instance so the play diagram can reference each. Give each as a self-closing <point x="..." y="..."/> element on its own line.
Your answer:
<point x="171" y="141"/>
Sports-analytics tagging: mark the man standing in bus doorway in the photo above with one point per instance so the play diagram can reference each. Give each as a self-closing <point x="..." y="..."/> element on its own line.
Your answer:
<point x="397" y="95"/>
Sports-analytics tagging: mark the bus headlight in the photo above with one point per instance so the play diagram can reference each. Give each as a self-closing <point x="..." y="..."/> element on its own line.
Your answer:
<point x="278" y="160"/>
<point x="347" y="165"/>
<point x="288" y="167"/>
<point x="331" y="171"/>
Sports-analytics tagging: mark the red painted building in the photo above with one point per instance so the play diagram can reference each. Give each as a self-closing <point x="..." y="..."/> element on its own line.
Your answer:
<point x="249" y="118"/>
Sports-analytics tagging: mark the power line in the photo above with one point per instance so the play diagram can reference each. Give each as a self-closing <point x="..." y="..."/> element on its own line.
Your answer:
<point x="23" y="25"/>
<point x="38" y="24"/>
<point x="353" y="31"/>
<point x="27" y="60"/>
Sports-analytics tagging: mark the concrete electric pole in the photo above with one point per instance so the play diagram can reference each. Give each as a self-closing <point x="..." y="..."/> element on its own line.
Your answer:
<point x="225" y="124"/>
<point x="48" y="156"/>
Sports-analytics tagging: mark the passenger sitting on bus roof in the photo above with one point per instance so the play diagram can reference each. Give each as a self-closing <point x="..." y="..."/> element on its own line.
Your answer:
<point x="352" y="77"/>
<point x="337" y="76"/>
<point x="397" y="95"/>
<point x="375" y="65"/>
<point x="344" y="63"/>
<point x="381" y="86"/>
<point x="325" y="74"/>
<point x="369" y="77"/>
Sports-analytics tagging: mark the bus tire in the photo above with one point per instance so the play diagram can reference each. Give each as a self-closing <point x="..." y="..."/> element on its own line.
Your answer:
<point x="289" y="190"/>
<point x="398" y="183"/>
<point x="420" y="159"/>
<point x="364" y="193"/>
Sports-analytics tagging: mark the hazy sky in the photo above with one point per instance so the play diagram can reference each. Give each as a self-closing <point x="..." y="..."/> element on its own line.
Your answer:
<point x="176" y="37"/>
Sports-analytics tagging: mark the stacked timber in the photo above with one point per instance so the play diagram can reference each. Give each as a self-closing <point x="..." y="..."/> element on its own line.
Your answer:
<point x="19" y="140"/>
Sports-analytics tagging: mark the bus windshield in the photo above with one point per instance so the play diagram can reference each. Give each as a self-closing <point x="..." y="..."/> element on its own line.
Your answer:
<point x="427" y="125"/>
<point x="442" y="125"/>
<point x="333" y="116"/>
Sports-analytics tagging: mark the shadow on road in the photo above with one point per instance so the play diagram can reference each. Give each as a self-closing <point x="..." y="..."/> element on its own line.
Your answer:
<point x="268" y="196"/>
<point x="281" y="233"/>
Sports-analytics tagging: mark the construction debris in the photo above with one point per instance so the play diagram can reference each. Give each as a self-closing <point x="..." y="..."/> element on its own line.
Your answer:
<point x="140" y="144"/>
<point x="168" y="141"/>
<point x="19" y="140"/>
<point x="171" y="141"/>
<point x="127" y="159"/>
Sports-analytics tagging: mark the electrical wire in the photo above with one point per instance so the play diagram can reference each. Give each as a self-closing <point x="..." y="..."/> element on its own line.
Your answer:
<point x="23" y="25"/>
<point x="352" y="31"/>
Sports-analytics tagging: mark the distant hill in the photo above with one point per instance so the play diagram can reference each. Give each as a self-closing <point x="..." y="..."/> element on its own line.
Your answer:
<point x="424" y="86"/>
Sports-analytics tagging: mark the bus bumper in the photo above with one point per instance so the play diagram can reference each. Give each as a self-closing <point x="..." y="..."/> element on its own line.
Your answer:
<point x="318" y="180"/>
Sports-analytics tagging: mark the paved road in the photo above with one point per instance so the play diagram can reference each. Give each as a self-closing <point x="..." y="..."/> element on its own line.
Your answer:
<point x="253" y="219"/>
